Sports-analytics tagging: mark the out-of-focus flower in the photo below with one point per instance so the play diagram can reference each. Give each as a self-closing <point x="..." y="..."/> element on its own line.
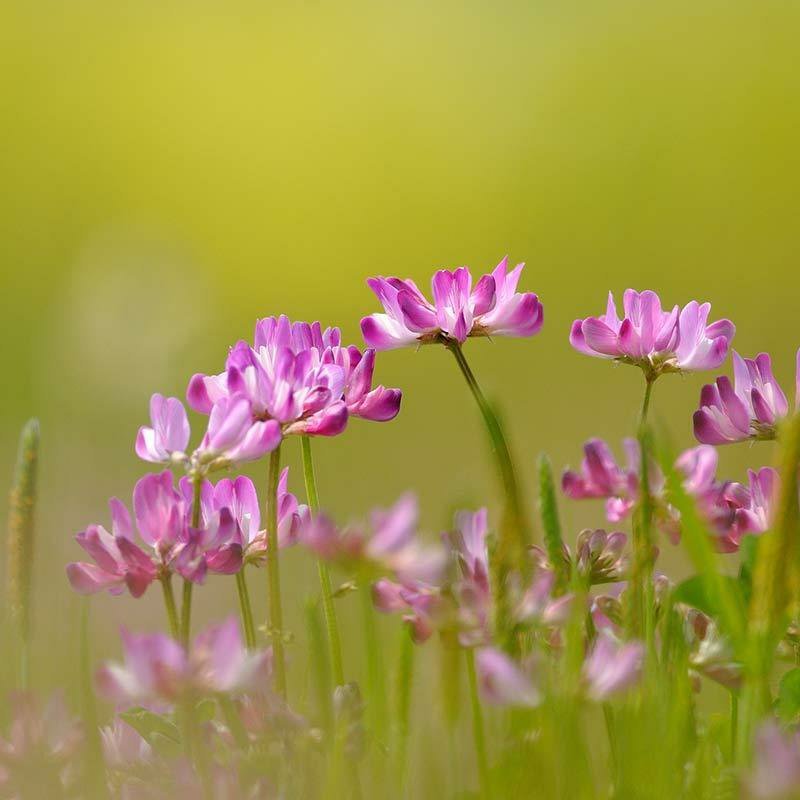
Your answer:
<point x="601" y="476"/>
<point x="502" y="682"/>
<point x="775" y="774"/>
<point x="422" y="605"/>
<point x="539" y="606"/>
<point x="750" y="409"/>
<point x="163" y="520"/>
<point x="757" y="515"/>
<point x="600" y="556"/>
<point x="389" y="545"/>
<point x="493" y="307"/>
<point x="232" y="435"/>
<point x="611" y="666"/>
<point x="124" y="747"/>
<point x="38" y="757"/>
<point x="471" y="589"/>
<point x="710" y="654"/>
<point x="657" y="341"/>
<point x="158" y="669"/>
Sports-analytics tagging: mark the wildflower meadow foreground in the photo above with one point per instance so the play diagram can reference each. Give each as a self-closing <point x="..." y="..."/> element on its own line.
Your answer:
<point x="570" y="664"/>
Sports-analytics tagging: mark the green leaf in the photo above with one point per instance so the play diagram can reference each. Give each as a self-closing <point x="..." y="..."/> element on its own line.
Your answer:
<point x="149" y="725"/>
<point x="703" y="594"/>
<point x="550" y="522"/>
<point x="788" y="702"/>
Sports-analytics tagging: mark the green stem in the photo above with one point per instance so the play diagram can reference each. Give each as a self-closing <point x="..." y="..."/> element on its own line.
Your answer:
<point x="477" y="726"/>
<point x="186" y="612"/>
<point x="169" y="604"/>
<point x="734" y="723"/>
<point x="186" y="603"/>
<point x="403" y="686"/>
<point x="94" y="751"/>
<point x="246" y="609"/>
<point x="328" y="605"/>
<point x="514" y="533"/>
<point x="648" y="391"/>
<point x="376" y="689"/>
<point x="274" y="574"/>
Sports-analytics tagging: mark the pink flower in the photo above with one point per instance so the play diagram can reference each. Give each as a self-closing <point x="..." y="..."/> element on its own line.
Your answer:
<point x="40" y="755"/>
<point x="775" y="773"/>
<point x="657" y="341"/>
<point x="389" y="544"/>
<point x="300" y="377"/>
<point x="611" y="667"/>
<point x="422" y="605"/>
<point x="502" y="682"/>
<point x="163" y="520"/>
<point x="158" y="669"/>
<point x="601" y="476"/>
<point x="492" y="307"/>
<point x="232" y="435"/>
<point x="750" y="409"/>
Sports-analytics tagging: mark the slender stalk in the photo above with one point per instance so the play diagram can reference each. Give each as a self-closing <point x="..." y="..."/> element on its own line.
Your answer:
<point x="376" y="688"/>
<point x="734" y="722"/>
<point x="274" y="574"/>
<point x="245" y="609"/>
<point x="514" y="534"/>
<point x="186" y="603"/>
<point x="478" y="733"/>
<point x="19" y="564"/>
<point x="94" y="752"/>
<point x="774" y="588"/>
<point x="169" y="605"/>
<point x="640" y="622"/>
<point x="403" y="687"/>
<point x="328" y="605"/>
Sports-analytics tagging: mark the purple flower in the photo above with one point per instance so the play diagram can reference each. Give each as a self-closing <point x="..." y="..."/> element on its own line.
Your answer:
<point x="158" y="669"/>
<point x="163" y="520"/>
<point x="168" y="437"/>
<point x="124" y="747"/>
<point x="232" y="435"/>
<point x="757" y="511"/>
<point x="750" y="409"/>
<point x="300" y="377"/>
<point x="472" y="590"/>
<point x="709" y="653"/>
<point x="658" y="341"/>
<point x="502" y="682"/>
<point x="775" y="774"/>
<point x="459" y="310"/>
<point x="39" y="756"/>
<point x="539" y="606"/>
<point x="601" y="476"/>
<point x="422" y="605"/>
<point x="611" y="667"/>
<point x="600" y="557"/>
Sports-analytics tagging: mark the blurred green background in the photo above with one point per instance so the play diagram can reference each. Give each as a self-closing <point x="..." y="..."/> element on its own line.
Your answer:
<point x="172" y="171"/>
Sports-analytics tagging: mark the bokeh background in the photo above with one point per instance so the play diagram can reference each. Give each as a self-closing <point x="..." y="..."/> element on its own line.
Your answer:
<point x="171" y="171"/>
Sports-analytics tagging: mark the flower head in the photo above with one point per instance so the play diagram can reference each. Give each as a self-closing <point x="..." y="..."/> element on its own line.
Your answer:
<point x="658" y="341"/>
<point x="600" y="557"/>
<point x="502" y="682"/>
<point x="776" y="768"/>
<point x="37" y="758"/>
<point x="750" y="409"/>
<point x="163" y="516"/>
<point x="611" y="666"/>
<point x="159" y="669"/>
<point x="459" y="310"/>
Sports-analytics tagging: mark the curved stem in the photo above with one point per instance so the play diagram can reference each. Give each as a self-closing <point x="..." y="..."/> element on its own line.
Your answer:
<point x="328" y="605"/>
<point x="246" y="609"/>
<point x="274" y="574"/>
<point x="477" y="726"/>
<point x="169" y="604"/>
<point x="514" y="534"/>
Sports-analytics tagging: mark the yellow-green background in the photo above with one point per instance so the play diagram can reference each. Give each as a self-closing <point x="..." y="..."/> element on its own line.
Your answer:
<point x="171" y="171"/>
